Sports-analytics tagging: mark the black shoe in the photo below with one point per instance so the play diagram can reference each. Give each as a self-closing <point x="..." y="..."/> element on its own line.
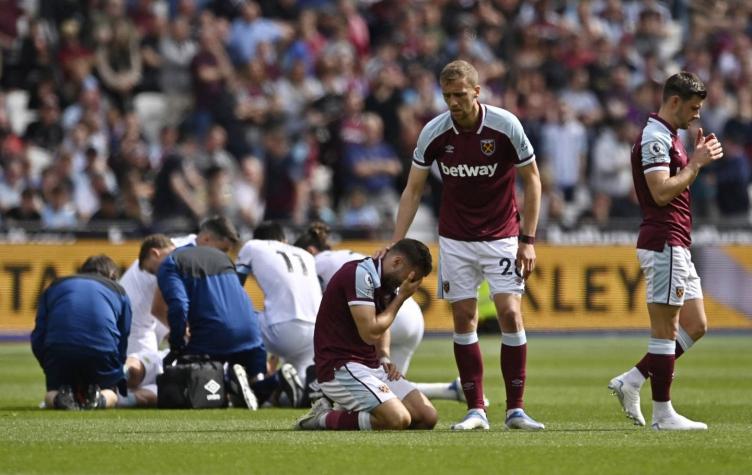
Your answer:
<point x="93" y="398"/>
<point x="290" y="384"/>
<point x="65" y="400"/>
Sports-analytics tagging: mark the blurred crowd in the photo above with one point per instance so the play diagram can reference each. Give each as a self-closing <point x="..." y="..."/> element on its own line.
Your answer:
<point x="160" y="112"/>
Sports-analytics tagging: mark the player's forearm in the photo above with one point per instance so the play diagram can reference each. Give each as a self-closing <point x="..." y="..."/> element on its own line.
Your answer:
<point x="531" y="212"/>
<point x="382" y="321"/>
<point x="408" y="206"/>
<point x="386" y="318"/>
<point x="383" y="345"/>
<point x="675" y="185"/>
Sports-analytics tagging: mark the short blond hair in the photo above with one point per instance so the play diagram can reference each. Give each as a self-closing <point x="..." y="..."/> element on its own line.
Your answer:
<point x="458" y="70"/>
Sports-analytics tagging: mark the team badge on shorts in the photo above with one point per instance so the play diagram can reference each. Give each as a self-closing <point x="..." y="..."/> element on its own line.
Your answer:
<point x="384" y="388"/>
<point x="680" y="292"/>
<point x="488" y="147"/>
<point x="445" y="286"/>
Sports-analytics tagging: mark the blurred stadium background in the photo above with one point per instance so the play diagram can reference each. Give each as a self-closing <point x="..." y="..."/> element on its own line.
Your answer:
<point x="123" y="117"/>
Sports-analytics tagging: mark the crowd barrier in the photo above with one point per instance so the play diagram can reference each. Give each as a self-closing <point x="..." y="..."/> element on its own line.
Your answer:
<point x="573" y="287"/>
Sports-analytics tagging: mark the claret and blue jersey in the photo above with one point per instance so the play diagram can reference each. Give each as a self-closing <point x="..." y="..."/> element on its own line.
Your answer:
<point x="477" y="170"/>
<point x="659" y="148"/>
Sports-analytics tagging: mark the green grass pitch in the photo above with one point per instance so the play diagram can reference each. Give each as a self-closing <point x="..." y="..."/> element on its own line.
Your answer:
<point x="567" y="376"/>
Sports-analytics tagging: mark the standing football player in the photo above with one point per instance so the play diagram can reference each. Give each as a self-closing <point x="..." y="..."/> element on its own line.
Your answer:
<point x="479" y="149"/>
<point x="662" y="174"/>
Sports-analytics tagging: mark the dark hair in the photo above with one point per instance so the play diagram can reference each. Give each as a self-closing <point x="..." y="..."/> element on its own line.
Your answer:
<point x="416" y="253"/>
<point x="213" y="171"/>
<point x="28" y="192"/>
<point x="107" y="196"/>
<point x="153" y="241"/>
<point x="315" y="235"/>
<point x="685" y="85"/>
<point x="102" y="265"/>
<point x="269" y="231"/>
<point x="221" y="227"/>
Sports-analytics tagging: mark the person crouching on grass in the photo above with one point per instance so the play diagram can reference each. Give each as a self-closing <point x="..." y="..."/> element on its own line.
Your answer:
<point x="357" y="309"/>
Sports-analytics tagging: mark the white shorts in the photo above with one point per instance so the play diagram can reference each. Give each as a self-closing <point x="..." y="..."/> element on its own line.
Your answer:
<point x="142" y="340"/>
<point x="464" y="264"/>
<point x="152" y="361"/>
<point x="292" y="341"/>
<point x="406" y="333"/>
<point x="356" y="387"/>
<point x="670" y="275"/>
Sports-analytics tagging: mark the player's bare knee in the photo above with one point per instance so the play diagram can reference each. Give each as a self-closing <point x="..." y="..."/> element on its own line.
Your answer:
<point x="464" y="320"/>
<point x="426" y="418"/>
<point x="510" y="319"/>
<point x="401" y="421"/>
<point x="396" y="419"/>
<point x="696" y="330"/>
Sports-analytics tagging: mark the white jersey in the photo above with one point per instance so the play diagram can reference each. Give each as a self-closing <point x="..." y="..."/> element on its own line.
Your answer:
<point x="286" y="275"/>
<point x="140" y="286"/>
<point x="329" y="262"/>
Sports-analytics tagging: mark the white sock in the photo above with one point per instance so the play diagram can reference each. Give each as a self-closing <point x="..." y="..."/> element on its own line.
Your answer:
<point x="438" y="390"/>
<point x="514" y="339"/>
<point x="661" y="346"/>
<point x="364" y="421"/>
<point x="662" y="409"/>
<point x="509" y="411"/>
<point x="684" y="340"/>
<point x="634" y="377"/>
<point x="321" y="421"/>
<point x="126" y="401"/>
<point x="465" y="338"/>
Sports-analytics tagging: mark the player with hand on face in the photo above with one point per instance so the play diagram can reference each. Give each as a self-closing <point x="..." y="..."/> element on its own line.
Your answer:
<point x="662" y="174"/>
<point x="406" y="332"/>
<point x="358" y="307"/>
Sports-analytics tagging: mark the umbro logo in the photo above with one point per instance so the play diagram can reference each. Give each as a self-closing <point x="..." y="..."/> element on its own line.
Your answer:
<point x="449" y="149"/>
<point x="213" y="387"/>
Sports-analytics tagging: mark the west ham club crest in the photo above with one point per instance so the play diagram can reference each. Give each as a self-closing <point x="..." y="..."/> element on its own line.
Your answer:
<point x="488" y="146"/>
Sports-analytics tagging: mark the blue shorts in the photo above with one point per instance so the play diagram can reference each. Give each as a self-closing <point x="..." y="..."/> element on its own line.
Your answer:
<point x="253" y="360"/>
<point x="77" y="369"/>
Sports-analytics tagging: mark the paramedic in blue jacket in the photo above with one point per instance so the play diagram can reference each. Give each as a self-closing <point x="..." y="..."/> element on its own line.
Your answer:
<point x="80" y="337"/>
<point x="210" y="313"/>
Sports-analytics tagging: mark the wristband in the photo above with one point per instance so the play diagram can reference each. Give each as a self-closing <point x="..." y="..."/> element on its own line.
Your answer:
<point x="384" y="360"/>
<point x="526" y="239"/>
